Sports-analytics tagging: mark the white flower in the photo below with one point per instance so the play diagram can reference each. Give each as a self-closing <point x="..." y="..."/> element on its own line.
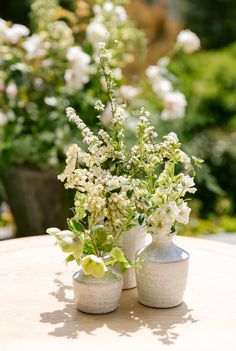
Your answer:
<point x="106" y="118"/>
<point x="34" y="46"/>
<point x="96" y="33"/>
<point x="121" y="13"/>
<point x="164" y="61"/>
<point x="3" y="119"/>
<point x="152" y="72"/>
<point x="108" y="6"/>
<point x="184" y="212"/>
<point x="3" y="29"/>
<point x="171" y="138"/>
<point x="188" y="185"/>
<point x="128" y="92"/>
<point x="11" y="90"/>
<point x="162" y="87"/>
<point x="188" y="41"/>
<point x="174" y="105"/>
<point x="16" y="32"/>
<point x="50" y="100"/>
<point x="77" y="57"/>
<point x="117" y="73"/>
<point x="20" y="67"/>
<point x="78" y="73"/>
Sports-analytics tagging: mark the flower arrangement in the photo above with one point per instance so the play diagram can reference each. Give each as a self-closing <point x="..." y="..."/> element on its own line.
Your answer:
<point x="53" y="67"/>
<point x="116" y="187"/>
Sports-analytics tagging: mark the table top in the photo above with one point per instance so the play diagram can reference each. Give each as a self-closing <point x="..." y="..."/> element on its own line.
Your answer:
<point x="37" y="309"/>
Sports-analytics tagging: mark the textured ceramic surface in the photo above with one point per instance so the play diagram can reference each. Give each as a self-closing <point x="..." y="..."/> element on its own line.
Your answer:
<point x="131" y="242"/>
<point x="97" y="296"/>
<point x="162" y="273"/>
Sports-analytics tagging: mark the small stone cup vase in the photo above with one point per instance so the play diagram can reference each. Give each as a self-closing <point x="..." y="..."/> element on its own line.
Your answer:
<point x="162" y="272"/>
<point x="131" y="242"/>
<point x="97" y="295"/>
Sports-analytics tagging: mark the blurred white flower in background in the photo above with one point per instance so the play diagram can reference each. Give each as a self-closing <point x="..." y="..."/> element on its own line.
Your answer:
<point x="96" y="33"/>
<point x="153" y="72"/>
<point x="128" y="92"/>
<point x="11" y="90"/>
<point x="34" y="46"/>
<point x="3" y="29"/>
<point x="3" y="119"/>
<point x="121" y="13"/>
<point x="106" y="117"/>
<point x="16" y="32"/>
<point x="78" y="73"/>
<point x="188" y="41"/>
<point x="50" y="101"/>
<point x="161" y="87"/>
<point x="174" y="106"/>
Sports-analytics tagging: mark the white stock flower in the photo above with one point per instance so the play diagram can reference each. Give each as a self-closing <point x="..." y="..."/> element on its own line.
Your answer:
<point x="184" y="212"/>
<point x="188" y="41"/>
<point x="174" y="106"/>
<point x="16" y="32"/>
<point x="188" y="185"/>
<point x="96" y="33"/>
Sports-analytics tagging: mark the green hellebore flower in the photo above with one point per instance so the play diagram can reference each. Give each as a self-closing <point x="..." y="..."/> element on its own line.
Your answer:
<point x="93" y="265"/>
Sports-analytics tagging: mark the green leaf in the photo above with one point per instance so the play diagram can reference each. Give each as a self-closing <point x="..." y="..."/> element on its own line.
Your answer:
<point x="108" y="194"/>
<point x="118" y="255"/>
<point x="129" y="193"/>
<point x="75" y="226"/>
<point x="101" y="236"/>
<point x="141" y="218"/>
<point x="116" y="190"/>
<point x="70" y="258"/>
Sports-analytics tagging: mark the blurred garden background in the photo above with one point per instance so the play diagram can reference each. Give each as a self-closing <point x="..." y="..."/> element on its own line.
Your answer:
<point x="41" y="73"/>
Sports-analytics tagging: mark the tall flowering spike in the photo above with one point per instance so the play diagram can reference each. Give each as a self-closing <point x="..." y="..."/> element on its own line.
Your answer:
<point x="89" y="138"/>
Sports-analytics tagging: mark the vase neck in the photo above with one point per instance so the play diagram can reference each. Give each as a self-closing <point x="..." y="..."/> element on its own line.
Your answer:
<point x="162" y="239"/>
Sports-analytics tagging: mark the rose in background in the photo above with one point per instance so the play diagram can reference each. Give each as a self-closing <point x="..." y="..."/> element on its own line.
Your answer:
<point x="53" y="66"/>
<point x="42" y="72"/>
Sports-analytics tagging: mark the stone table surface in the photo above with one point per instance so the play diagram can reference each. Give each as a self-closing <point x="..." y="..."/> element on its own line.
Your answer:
<point x="37" y="311"/>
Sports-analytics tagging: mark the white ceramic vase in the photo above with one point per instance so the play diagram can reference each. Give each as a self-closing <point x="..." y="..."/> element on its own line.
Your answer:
<point x="97" y="295"/>
<point x="131" y="242"/>
<point x="162" y="272"/>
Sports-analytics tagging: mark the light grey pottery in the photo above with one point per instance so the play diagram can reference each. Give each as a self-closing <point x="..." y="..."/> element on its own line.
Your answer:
<point x="131" y="242"/>
<point x="162" y="272"/>
<point x="97" y="295"/>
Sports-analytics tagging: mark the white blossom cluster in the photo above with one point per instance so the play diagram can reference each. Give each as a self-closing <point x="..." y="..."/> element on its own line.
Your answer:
<point x="12" y="33"/>
<point x="78" y="73"/>
<point x="99" y="192"/>
<point x="174" y="102"/>
<point x="188" y="41"/>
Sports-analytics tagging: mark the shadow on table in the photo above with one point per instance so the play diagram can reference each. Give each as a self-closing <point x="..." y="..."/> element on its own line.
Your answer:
<point x="129" y="317"/>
